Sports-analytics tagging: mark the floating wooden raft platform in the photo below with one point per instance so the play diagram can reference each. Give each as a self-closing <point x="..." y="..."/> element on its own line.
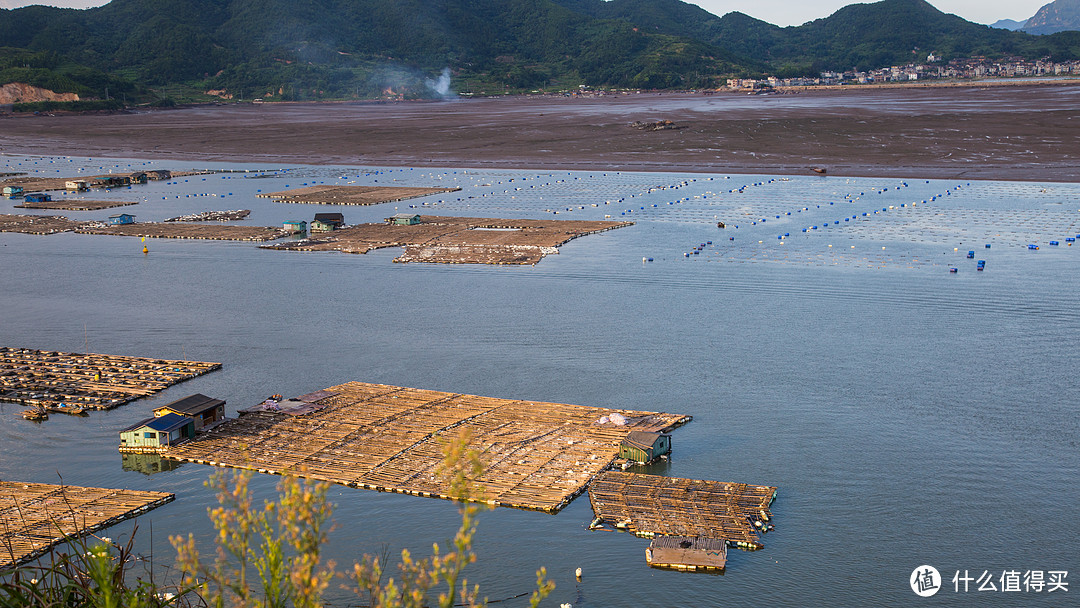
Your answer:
<point x="351" y="195"/>
<point x="34" y="517"/>
<point x="687" y="553"/>
<point x="212" y="216"/>
<point x="73" y="381"/>
<point x="380" y="437"/>
<point x="458" y="240"/>
<point x="650" y="505"/>
<point x="34" y="184"/>
<point x="175" y="230"/>
<point x="37" y="224"/>
<point x="76" y="205"/>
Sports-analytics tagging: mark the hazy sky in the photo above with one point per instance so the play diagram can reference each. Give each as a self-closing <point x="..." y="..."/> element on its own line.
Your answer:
<point x="780" y="12"/>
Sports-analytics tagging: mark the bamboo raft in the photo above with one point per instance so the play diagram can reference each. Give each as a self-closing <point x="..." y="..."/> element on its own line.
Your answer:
<point x="37" y="224"/>
<point x="458" y="240"/>
<point x="176" y="230"/>
<point x="351" y="195"/>
<point x="212" y="216"/>
<point x="45" y="184"/>
<point x="35" y="517"/>
<point x="72" y="382"/>
<point x="76" y="205"/>
<point x="650" y="505"/>
<point x="387" y="438"/>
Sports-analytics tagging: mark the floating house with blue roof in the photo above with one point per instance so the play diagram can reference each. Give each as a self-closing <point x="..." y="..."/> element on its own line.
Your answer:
<point x="202" y="410"/>
<point x="156" y="434"/>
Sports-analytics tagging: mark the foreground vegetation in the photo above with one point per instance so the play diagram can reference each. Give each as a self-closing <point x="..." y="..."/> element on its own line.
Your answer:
<point x="267" y="556"/>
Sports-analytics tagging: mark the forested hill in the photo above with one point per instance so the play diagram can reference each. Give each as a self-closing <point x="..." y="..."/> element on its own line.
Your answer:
<point x="861" y="36"/>
<point x="314" y="49"/>
<point x="327" y="48"/>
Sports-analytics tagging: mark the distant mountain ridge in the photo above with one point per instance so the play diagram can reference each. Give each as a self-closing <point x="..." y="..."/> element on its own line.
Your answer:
<point x="320" y="49"/>
<point x="1008" y="24"/>
<point x="861" y="36"/>
<point x="1058" y="16"/>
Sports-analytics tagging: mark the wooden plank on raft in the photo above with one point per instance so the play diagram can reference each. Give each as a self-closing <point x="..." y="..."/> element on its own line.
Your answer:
<point x="73" y="382"/>
<point x="35" y="517"/>
<point x="537" y="455"/>
<point x="650" y="505"/>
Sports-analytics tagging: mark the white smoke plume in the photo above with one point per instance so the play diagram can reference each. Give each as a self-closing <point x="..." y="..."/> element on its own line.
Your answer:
<point x="441" y="85"/>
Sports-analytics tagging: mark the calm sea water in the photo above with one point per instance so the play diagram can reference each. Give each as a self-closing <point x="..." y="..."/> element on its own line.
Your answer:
<point x="908" y="415"/>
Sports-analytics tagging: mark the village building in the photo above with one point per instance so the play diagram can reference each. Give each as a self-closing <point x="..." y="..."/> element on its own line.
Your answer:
<point x="403" y="219"/>
<point x="76" y="185"/>
<point x="199" y="408"/>
<point x="121" y="218"/>
<point x="13" y="190"/>
<point x="37" y="197"/>
<point x="327" y="222"/>
<point x="295" y="226"/>
<point x="643" y="447"/>
<point x="157" y="433"/>
<point x="111" y="181"/>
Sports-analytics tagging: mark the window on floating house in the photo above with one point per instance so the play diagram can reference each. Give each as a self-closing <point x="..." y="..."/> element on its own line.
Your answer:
<point x="150" y="435"/>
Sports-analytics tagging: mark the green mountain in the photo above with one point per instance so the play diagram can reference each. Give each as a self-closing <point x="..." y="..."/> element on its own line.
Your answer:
<point x="306" y="49"/>
<point x="56" y="73"/>
<point x="860" y="36"/>
<point x="317" y="49"/>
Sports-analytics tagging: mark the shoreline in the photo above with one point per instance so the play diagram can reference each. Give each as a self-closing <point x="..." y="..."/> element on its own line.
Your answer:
<point x="1006" y="131"/>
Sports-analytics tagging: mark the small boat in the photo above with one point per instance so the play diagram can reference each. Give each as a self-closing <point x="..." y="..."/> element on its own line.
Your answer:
<point x="62" y="408"/>
<point x="36" y="414"/>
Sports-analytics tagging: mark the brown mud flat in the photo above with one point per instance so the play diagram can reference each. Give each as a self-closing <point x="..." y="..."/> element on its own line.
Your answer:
<point x="351" y="195"/>
<point x="173" y="230"/>
<point x="536" y="455"/>
<point x="973" y="132"/>
<point x="37" y="224"/>
<point x="76" y="205"/>
<point x="34" y="517"/>
<point x="457" y="240"/>
<point x="75" y="381"/>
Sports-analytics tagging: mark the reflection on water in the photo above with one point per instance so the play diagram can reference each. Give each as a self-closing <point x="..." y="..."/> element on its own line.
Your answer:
<point x="907" y="415"/>
<point x="147" y="464"/>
